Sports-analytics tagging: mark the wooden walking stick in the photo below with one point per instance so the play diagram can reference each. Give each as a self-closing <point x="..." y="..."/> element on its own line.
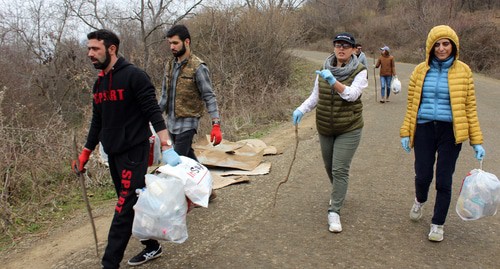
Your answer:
<point x="84" y="192"/>
<point x="291" y="164"/>
<point x="375" y="78"/>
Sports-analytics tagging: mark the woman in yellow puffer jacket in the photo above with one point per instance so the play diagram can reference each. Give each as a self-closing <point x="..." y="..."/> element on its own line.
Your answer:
<point x="440" y="115"/>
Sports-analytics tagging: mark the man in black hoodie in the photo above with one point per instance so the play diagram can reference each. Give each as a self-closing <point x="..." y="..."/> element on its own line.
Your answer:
<point x="124" y="102"/>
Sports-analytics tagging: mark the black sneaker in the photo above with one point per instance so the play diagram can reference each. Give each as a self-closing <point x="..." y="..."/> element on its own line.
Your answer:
<point x="145" y="256"/>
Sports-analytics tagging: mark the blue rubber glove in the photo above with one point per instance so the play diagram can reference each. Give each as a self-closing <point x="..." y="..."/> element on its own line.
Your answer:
<point x="405" y="143"/>
<point x="170" y="157"/>
<point x="479" y="152"/>
<point x="327" y="75"/>
<point x="297" y="116"/>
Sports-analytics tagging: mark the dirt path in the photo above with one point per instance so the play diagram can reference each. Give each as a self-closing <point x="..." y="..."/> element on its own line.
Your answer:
<point x="240" y="229"/>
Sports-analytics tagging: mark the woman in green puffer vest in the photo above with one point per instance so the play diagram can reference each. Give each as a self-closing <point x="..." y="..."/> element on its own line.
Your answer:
<point x="339" y="120"/>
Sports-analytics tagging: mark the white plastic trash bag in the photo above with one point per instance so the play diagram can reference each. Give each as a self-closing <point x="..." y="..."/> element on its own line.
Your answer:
<point x="479" y="196"/>
<point x="160" y="212"/>
<point x="395" y="85"/>
<point x="103" y="156"/>
<point x="196" y="178"/>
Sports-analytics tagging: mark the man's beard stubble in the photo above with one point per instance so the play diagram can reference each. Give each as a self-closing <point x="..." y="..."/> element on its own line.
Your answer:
<point x="104" y="64"/>
<point x="181" y="52"/>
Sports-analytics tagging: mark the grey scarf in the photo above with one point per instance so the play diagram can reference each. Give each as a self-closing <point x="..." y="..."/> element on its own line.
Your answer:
<point x="341" y="73"/>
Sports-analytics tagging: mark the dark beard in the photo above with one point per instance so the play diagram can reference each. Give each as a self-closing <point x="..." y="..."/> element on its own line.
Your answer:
<point x="181" y="52"/>
<point x="104" y="64"/>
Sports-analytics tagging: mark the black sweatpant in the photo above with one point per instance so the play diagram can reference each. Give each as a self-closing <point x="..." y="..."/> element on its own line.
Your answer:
<point x="127" y="171"/>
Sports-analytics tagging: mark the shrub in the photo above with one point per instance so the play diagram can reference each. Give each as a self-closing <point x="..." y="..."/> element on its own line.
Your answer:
<point x="247" y="53"/>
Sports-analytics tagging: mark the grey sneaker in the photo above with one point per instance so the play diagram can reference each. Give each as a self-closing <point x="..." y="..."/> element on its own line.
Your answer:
<point x="416" y="210"/>
<point x="334" y="222"/>
<point x="437" y="233"/>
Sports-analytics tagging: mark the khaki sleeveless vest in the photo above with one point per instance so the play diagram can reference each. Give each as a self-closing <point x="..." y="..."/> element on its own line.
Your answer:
<point x="188" y="102"/>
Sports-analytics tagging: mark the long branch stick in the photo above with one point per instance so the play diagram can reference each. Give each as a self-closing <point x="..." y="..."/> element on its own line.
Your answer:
<point x="291" y="164"/>
<point x="84" y="193"/>
<point x="375" y="78"/>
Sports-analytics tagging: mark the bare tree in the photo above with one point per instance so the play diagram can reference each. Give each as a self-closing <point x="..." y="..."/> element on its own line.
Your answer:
<point x="475" y="5"/>
<point x="38" y="79"/>
<point x="90" y="13"/>
<point x="143" y="21"/>
<point x="382" y="6"/>
<point x="153" y="16"/>
<point x="278" y="4"/>
<point x="42" y="31"/>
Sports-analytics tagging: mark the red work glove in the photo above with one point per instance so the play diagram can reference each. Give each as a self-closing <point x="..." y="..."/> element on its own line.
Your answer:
<point x="216" y="135"/>
<point x="82" y="161"/>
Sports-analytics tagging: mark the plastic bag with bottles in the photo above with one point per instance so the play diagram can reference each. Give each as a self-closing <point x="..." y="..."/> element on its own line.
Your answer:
<point x="479" y="195"/>
<point x="160" y="211"/>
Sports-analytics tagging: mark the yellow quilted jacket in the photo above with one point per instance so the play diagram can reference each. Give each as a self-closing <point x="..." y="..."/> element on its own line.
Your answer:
<point x="462" y="94"/>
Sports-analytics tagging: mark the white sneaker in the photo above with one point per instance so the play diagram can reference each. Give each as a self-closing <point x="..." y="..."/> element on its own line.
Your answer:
<point x="416" y="210"/>
<point x="334" y="222"/>
<point x="437" y="233"/>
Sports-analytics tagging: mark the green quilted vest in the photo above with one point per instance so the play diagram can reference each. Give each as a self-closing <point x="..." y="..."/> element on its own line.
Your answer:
<point x="334" y="115"/>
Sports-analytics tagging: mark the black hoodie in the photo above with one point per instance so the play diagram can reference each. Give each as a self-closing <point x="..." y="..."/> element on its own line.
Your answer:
<point x="124" y="102"/>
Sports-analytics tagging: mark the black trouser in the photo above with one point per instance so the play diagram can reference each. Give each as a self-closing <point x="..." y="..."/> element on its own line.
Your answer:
<point x="127" y="171"/>
<point x="183" y="143"/>
<point x="431" y="138"/>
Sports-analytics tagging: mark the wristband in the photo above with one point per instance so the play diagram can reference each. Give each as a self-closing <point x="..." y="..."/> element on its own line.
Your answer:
<point x="167" y="143"/>
<point x="215" y="121"/>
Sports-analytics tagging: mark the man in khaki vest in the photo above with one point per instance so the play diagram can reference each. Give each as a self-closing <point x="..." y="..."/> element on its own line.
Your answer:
<point x="186" y="91"/>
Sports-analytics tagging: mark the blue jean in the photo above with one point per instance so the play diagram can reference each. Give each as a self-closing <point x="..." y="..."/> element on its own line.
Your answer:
<point x="337" y="152"/>
<point x="431" y="138"/>
<point x="385" y="85"/>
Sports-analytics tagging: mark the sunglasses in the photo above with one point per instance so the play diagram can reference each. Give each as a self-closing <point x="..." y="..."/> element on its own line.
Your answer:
<point x="342" y="45"/>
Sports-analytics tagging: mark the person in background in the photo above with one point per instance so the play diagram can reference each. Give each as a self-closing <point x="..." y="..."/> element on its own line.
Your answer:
<point x="124" y="104"/>
<point x="440" y="115"/>
<point x="186" y="89"/>
<point x="361" y="55"/>
<point x="339" y="84"/>
<point x="387" y="71"/>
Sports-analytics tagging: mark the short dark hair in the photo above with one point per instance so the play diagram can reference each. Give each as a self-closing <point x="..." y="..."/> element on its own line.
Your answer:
<point x="180" y="30"/>
<point x="359" y="45"/>
<point x="107" y="36"/>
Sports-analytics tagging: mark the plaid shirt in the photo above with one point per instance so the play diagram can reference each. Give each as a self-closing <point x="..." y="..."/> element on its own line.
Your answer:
<point x="179" y="125"/>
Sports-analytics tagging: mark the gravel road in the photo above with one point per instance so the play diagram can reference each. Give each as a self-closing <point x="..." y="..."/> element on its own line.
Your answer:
<point x="241" y="229"/>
